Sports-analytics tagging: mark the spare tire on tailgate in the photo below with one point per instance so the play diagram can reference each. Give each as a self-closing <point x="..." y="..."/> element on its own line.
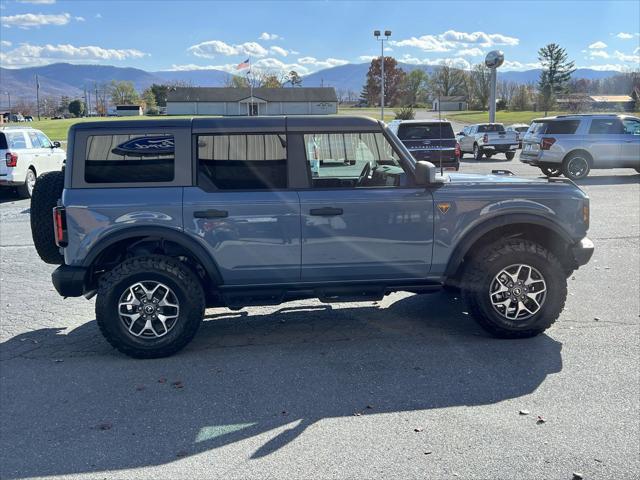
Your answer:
<point x="46" y="192"/>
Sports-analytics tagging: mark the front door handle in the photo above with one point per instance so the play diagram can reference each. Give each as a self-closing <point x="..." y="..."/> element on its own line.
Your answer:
<point x="326" y="211"/>
<point x="211" y="213"/>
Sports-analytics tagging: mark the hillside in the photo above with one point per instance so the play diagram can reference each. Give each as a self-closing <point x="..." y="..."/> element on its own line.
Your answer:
<point x="67" y="79"/>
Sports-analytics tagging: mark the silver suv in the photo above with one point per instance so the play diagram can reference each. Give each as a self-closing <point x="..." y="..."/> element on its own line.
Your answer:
<point x="574" y="144"/>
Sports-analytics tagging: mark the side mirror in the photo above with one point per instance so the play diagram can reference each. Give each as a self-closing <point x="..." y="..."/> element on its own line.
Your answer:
<point x="425" y="173"/>
<point x="56" y="145"/>
<point x="461" y="134"/>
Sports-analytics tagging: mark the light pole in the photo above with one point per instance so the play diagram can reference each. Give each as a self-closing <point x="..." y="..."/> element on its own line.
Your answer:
<point x="9" y="97"/>
<point x="387" y="34"/>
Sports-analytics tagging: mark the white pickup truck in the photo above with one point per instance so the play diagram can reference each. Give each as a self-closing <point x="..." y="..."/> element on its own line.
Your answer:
<point x="487" y="139"/>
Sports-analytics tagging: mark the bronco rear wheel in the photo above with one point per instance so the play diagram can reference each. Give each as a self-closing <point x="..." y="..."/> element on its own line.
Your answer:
<point x="515" y="288"/>
<point x="149" y="307"/>
<point x="46" y="192"/>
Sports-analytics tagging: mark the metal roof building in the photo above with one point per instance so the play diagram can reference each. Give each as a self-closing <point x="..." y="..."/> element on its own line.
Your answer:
<point x="257" y="101"/>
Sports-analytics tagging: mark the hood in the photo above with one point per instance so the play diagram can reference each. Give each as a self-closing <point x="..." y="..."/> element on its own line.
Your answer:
<point x="492" y="178"/>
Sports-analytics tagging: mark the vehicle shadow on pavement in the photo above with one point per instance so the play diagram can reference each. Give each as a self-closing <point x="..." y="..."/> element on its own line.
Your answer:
<point x="609" y="179"/>
<point x="72" y="405"/>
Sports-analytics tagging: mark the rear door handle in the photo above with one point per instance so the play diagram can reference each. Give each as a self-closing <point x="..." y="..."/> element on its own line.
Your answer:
<point x="326" y="211"/>
<point x="211" y="213"/>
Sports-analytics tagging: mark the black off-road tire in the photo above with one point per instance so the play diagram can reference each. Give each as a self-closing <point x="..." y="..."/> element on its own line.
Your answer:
<point x="510" y="155"/>
<point x="46" y="192"/>
<point x="489" y="262"/>
<point x="158" y="268"/>
<point x="477" y="153"/>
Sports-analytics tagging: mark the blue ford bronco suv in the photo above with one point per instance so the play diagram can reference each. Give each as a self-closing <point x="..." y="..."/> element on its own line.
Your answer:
<point x="161" y="219"/>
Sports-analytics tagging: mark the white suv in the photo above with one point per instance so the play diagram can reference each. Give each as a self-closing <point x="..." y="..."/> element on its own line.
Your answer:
<point x="26" y="153"/>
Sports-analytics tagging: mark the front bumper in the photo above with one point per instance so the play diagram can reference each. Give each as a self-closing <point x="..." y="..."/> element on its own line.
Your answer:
<point x="582" y="251"/>
<point x="69" y="281"/>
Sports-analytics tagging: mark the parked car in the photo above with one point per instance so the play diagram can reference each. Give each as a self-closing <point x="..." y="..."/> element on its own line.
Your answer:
<point x="487" y="139"/>
<point x="27" y="153"/>
<point x="28" y="118"/>
<point x="520" y="129"/>
<point x="572" y="145"/>
<point x="164" y="218"/>
<point x="430" y="140"/>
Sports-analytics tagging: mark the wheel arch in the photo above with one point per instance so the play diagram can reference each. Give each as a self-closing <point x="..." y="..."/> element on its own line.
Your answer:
<point x="533" y="227"/>
<point x="167" y="241"/>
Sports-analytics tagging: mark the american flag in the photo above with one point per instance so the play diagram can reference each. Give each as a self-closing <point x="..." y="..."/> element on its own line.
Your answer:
<point x="244" y="64"/>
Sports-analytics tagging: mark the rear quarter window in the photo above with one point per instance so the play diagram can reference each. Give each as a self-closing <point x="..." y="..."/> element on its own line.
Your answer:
<point x="3" y="142"/>
<point x="129" y="158"/>
<point x="562" y="127"/>
<point x="16" y="140"/>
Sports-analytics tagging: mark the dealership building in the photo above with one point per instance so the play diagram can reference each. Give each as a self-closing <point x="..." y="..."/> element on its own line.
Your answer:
<point x="246" y="101"/>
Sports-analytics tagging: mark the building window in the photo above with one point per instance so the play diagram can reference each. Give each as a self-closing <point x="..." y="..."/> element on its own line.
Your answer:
<point x="129" y="158"/>
<point x="243" y="162"/>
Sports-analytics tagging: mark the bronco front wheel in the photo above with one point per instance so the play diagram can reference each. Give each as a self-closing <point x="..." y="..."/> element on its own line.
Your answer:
<point x="515" y="288"/>
<point x="149" y="307"/>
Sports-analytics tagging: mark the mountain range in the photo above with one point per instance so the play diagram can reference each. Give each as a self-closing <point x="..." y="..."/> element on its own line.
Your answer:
<point x="66" y="79"/>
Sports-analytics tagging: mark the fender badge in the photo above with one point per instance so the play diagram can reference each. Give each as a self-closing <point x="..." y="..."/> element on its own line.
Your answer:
<point x="444" y="207"/>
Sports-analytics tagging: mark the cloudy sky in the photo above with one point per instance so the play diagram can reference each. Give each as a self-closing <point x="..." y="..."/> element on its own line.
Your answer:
<point x="308" y="36"/>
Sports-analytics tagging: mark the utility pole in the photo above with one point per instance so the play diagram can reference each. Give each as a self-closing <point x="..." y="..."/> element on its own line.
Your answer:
<point x="38" y="96"/>
<point x="387" y="34"/>
<point x="9" y="97"/>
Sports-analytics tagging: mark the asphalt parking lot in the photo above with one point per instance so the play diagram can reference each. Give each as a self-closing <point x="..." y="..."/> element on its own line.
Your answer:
<point x="408" y="387"/>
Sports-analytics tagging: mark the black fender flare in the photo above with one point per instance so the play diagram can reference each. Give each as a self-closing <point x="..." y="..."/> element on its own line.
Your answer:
<point x="176" y="236"/>
<point x="486" y="226"/>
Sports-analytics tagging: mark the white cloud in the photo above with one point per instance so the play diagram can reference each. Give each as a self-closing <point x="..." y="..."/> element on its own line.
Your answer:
<point x="27" y="55"/>
<point x="597" y="45"/>
<point x="470" y="52"/>
<point x="36" y="20"/>
<point x="510" y="65"/>
<point x="617" y="67"/>
<point x="637" y="50"/>
<point x="367" y="58"/>
<point x="5" y="43"/>
<point x="426" y="43"/>
<point x="451" y="39"/>
<point x="479" y="38"/>
<point x="211" y="48"/>
<point x="316" y="64"/>
<point x="453" y="62"/>
<point x="598" y="54"/>
<point x="192" y="66"/>
<point x="279" y="51"/>
<point x="38" y="2"/>
<point x="625" y="36"/>
<point x="269" y="36"/>
<point x="98" y="15"/>
<point x="623" y="57"/>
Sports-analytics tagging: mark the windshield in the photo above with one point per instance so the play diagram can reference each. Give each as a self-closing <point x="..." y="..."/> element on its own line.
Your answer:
<point x="425" y="131"/>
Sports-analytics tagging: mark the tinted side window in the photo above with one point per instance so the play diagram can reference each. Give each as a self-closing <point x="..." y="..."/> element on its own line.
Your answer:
<point x="3" y="142"/>
<point x="16" y="140"/>
<point x="606" y="126"/>
<point x="565" y="127"/>
<point x="35" y="141"/>
<point x="243" y="162"/>
<point x="129" y="158"/>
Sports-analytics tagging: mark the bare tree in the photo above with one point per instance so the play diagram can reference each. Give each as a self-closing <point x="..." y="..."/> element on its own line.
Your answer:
<point x="447" y="80"/>
<point x="507" y="90"/>
<point x="481" y="81"/>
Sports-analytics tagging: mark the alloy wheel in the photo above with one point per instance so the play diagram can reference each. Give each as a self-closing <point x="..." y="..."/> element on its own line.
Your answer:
<point x="148" y="309"/>
<point x="518" y="292"/>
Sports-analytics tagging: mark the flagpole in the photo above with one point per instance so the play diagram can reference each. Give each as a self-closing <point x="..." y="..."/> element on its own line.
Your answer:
<point x="250" y="89"/>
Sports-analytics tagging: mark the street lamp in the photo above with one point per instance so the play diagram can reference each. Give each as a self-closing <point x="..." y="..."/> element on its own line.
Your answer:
<point x="387" y="34"/>
<point x="9" y="97"/>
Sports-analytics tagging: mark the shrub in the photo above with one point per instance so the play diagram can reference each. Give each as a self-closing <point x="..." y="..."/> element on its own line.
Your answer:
<point x="405" y="113"/>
